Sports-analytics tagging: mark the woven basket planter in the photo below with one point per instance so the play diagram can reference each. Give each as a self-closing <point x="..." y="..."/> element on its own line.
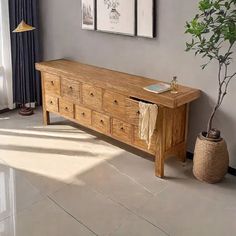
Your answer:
<point x="211" y="159"/>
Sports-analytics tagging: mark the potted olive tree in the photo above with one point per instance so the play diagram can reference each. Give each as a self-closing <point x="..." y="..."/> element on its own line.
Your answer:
<point x="213" y="33"/>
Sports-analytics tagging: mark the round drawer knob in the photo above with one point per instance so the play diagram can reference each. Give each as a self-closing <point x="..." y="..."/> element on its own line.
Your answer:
<point x="83" y="114"/>
<point x="91" y="94"/>
<point x="115" y="102"/>
<point x="101" y="121"/>
<point x="66" y="108"/>
<point x="122" y="129"/>
<point x="71" y="88"/>
<point x="51" y="102"/>
<point x="52" y="82"/>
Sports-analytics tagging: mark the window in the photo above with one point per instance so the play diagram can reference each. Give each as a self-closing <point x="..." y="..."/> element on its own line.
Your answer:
<point x="5" y="58"/>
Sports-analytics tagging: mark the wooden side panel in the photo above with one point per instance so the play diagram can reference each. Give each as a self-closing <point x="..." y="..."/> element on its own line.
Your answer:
<point x="169" y="129"/>
<point x="176" y="124"/>
<point x="46" y="116"/>
<point x="179" y="125"/>
<point x="160" y="148"/>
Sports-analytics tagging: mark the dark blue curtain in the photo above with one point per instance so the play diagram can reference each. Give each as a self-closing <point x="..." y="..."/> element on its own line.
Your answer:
<point x="25" y="52"/>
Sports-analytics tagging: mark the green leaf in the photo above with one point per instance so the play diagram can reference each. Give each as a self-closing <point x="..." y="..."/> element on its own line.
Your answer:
<point x="213" y="29"/>
<point x="227" y="5"/>
<point x="204" y="5"/>
<point x="204" y="66"/>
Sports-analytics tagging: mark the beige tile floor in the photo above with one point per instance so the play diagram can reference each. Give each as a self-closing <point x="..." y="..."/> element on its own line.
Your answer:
<point x="62" y="181"/>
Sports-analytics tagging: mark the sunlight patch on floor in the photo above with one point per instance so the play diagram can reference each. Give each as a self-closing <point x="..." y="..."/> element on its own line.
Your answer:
<point x="58" y="156"/>
<point x="61" y="168"/>
<point x="42" y="131"/>
<point x="4" y="118"/>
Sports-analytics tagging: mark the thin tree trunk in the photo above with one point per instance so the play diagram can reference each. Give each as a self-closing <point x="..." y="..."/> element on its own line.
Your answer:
<point x="209" y="126"/>
<point x="223" y="86"/>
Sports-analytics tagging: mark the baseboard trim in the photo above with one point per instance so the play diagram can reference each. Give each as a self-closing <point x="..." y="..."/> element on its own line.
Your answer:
<point x="190" y="155"/>
<point x="231" y="170"/>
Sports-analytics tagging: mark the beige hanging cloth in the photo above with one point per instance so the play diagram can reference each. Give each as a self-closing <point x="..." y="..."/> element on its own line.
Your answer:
<point x="147" y="121"/>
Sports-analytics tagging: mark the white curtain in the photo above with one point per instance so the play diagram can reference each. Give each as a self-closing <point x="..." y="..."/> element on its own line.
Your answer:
<point x="6" y="96"/>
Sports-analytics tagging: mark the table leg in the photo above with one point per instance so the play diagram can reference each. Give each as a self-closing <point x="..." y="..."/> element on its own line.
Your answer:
<point x="46" y="117"/>
<point x="159" y="165"/>
<point x="160" y="151"/>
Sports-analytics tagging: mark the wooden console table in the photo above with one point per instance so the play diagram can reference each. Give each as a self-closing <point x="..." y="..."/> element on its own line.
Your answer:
<point x="108" y="102"/>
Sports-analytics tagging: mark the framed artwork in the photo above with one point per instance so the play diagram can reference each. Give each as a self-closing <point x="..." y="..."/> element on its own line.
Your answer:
<point x="116" y="16"/>
<point x="146" y="18"/>
<point x="88" y="14"/>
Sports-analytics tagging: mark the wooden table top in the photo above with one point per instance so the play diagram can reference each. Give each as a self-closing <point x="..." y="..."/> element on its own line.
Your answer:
<point x="130" y="85"/>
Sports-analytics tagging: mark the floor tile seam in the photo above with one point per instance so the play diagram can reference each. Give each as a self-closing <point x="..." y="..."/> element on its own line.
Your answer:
<point x="41" y="196"/>
<point x="69" y="214"/>
<point x="126" y="208"/>
<point x="32" y="184"/>
<point x="145" y="202"/>
<point x="131" y="178"/>
<point x="41" y="192"/>
<point x="155" y="195"/>
<point x="17" y="212"/>
<point x="5" y="218"/>
<point x="57" y="190"/>
<point x="162" y="190"/>
<point x="4" y="162"/>
<point x="65" y="185"/>
<point x="69" y="183"/>
<point x="143" y="218"/>
<point x="117" y="203"/>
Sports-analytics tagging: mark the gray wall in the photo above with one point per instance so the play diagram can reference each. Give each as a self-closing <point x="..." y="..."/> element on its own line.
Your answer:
<point x="160" y="58"/>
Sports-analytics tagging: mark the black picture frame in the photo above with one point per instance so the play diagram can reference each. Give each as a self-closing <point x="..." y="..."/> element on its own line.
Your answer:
<point x="88" y="14"/>
<point x="150" y="23"/>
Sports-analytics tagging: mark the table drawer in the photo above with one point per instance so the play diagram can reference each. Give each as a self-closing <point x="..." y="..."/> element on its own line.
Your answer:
<point x="122" y="130"/>
<point x="83" y="115"/>
<point x="51" y="103"/>
<point x="132" y="111"/>
<point x="52" y="84"/>
<point x="70" y="89"/>
<point x="92" y="96"/>
<point x="142" y="144"/>
<point x="114" y="103"/>
<point x="101" y="122"/>
<point x="66" y="108"/>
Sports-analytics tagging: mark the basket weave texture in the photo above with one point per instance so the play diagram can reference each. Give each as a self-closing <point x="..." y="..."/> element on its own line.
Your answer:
<point x="211" y="160"/>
